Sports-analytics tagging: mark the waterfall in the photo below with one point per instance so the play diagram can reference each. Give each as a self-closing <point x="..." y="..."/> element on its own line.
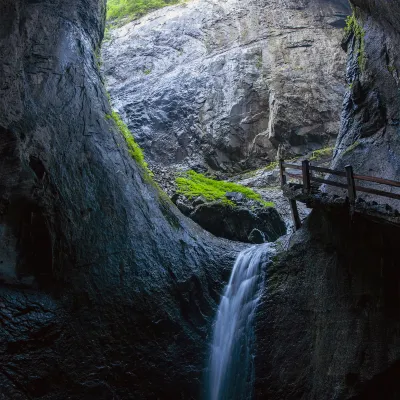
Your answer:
<point x="231" y="369"/>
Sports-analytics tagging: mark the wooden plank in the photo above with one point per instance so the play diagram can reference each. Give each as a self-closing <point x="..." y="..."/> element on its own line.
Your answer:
<point x="282" y="172"/>
<point x="305" y="167"/>
<point x="327" y="171"/>
<point x="295" y="214"/>
<point x="378" y="192"/>
<point x="331" y="183"/>
<point x="293" y="166"/>
<point x="377" y="180"/>
<point x="351" y="187"/>
<point x="295" y="176"/>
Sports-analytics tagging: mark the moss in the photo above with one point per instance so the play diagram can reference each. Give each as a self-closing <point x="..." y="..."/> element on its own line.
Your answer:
<point x="147" y="71"/>
<point x="193" y="184"/>
<point x="271" y="166"/>
<point x="391" y="69"/>
<point x="120" y="12"/>
<point x="259" y="61"/>
<point x="351" y="147"/>
<point x="133" y="148"/>
<point x="353" y="27"/>
<point x="318" y="154"/>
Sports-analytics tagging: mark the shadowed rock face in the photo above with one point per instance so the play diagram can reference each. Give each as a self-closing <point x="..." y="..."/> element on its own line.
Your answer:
<point x="106" y="290"/>
<point x="370" y="128"/>
<point x="328" y="322"/>
<point x="328" y="326"/>
<point x="222" y="84"/>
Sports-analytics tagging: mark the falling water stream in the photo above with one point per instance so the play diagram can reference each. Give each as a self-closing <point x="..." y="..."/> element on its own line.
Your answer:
<point x="231" y="366"/>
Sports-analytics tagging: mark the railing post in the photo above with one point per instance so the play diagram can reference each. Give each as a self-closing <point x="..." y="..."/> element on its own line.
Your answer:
<point x="305" y="166"/>
<point x="282" y="172"/>
<point x="295" y="214"/>
<point x="351" y="187"/>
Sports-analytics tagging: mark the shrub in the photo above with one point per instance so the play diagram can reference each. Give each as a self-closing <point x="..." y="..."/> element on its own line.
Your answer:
<point x="193" y="184"/>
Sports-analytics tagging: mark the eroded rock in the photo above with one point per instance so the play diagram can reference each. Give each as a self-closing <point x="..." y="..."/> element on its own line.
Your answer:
<point x="221" y="85"/>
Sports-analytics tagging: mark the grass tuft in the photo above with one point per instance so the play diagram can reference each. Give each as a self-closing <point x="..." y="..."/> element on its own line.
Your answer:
<point x="133" y="148"/>
<point x="193" y="184"/>
<point x="352" y="26"/>
<point x="321" y="153"/>
<point x="120" y="12"/>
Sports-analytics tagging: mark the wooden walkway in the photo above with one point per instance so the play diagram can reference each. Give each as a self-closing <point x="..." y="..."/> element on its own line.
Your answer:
<point x="311" y="178"/>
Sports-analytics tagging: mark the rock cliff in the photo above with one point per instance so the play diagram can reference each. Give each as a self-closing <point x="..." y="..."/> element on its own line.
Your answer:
<point x="221" y="84"/>
<point x="106" y="290"/>
<point x="370" y="125"/>
<point x="328" y="326"/>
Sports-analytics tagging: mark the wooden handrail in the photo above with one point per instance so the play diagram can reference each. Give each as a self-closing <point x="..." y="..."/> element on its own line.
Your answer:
<point x="331" y="183"/>
<point x="327" y="171"/>
<point x="292" y="166"/>
<point x="378" y="192"/>
<point x="377" y="180"/>
<point x="306" y="176"/>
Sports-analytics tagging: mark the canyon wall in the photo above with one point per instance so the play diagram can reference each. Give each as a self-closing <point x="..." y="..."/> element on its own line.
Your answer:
<point x="222" y="84"/>
<point x="106" y="290"/>
<point x="328" y="327"/>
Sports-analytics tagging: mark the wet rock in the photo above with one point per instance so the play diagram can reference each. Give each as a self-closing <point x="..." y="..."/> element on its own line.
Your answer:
<point x="220" y="85"/>
<point x="330" y="311"/>
<point x="256" y="236"/>
<point x="369" y="133"/>
<point x="237" y="222"/>
<point x="106" y="289"/>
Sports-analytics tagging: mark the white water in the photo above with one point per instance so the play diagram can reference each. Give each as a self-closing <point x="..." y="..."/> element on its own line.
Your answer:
<point x="231" y="369"/>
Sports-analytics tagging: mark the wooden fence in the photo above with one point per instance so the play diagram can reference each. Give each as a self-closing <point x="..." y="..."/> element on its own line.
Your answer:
<point x="351" y="182"/>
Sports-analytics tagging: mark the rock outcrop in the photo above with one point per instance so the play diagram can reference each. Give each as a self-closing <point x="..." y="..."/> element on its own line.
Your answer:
<point x="328" y="325"/>
<point x="212" y="84"/>
<point x="106" y="289"/>
<point x="328" y="322"/>
<point x="370" y="128"/>
<point x="245" y="220"/>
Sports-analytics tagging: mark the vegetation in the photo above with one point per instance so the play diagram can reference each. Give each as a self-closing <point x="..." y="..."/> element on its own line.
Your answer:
<point x="134" y="149"/>
<point x="193" y="184"/>
<point x="321" y="153"/>
<point x="351" y="147"/>
<point x="123" y="11"/>
<point x="352" y="26"/>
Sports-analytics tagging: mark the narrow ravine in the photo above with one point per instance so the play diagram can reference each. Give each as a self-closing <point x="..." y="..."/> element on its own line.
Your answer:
<point x="231" y="367"/>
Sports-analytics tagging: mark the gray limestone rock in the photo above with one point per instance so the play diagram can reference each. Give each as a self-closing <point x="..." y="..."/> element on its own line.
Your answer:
<point x="221" y="84"/>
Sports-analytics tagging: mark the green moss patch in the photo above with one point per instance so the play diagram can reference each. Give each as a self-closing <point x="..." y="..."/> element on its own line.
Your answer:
<point x="321" y="153"/>
<point x="193" y="184"/>
<point x="124" y="11"/>
<point x="133" y="148"/>
<point x="353" y="27"/>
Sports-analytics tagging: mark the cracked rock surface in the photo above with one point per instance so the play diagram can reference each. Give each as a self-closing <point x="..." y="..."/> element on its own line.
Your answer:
<point x="106" y="290"/>
<point x="221" y="84"/>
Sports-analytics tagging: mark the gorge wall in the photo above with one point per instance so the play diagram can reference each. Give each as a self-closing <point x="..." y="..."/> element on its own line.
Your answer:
<point x="106" y="290"/>
<point x="221" y="84"/>
<point x="331" y="312"/>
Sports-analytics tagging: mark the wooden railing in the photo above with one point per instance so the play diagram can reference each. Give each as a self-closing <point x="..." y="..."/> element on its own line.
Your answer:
<point x="350" y="185"/>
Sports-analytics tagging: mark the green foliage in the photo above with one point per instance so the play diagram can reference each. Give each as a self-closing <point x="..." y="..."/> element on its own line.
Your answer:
<point x="259" y="61"/>
<point x="193" y="185"/>
<point x="123" y="11"/>
<point x="353" y="27"/>
<point x="134" y="149"/>
<point x="147" y="71"/>
<point x="318" y="154"/>
<point x="351" y="147"/>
